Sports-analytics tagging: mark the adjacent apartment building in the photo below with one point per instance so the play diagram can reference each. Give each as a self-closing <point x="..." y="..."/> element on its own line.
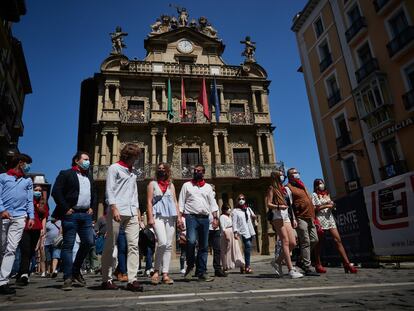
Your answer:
<point x="14" y="80"/>
<point x="358" y="63"/>
<point x="155" y="103"/>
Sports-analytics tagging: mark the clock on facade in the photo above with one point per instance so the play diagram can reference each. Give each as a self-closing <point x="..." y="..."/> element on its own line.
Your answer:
<point x="185" y="46"/>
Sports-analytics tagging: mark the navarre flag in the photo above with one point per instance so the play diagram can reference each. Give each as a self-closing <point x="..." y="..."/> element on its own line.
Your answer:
<point x="202" y="99"/>
<point x="214" y="99"/>
<point x="170" y="114"/>
<point x="183" y="100"/>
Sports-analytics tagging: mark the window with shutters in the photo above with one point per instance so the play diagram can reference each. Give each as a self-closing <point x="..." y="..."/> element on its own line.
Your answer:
<point x="242" y="162"/>
<point x="190" y="157"/>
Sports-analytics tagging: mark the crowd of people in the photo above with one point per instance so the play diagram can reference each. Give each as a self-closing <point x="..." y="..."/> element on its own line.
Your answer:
<point x="69" y="240"/>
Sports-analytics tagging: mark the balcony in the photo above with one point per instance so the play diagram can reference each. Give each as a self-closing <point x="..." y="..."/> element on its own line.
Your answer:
<point x="190" y="117"/>
<point x="393" y="169"/>
<point x="261" y="118"/>
<point x="325" y="62"/>
<point x="355" y="28"/>
<point x="352" y="185"/>
<point x="134" y="116"/>
<point x="334" y="98"/>
<point x="366" y="69"/>
<point x="401" y="41"/>
<point x="343" y="140"/>
<point x="145" y="172"/>
<point x="408" y="100"/>
<point x="240" y="118"/>
<point x="110" y="115"/>
<point x="379" y="4"/>
<point x="379" y="117"/>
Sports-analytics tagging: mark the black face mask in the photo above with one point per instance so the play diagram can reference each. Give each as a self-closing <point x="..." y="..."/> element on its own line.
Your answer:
<point x="198" y="176"/>
<point x="161" y="174"/>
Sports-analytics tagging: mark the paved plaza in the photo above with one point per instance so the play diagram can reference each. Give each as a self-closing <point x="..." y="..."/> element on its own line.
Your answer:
<point x="371" y="289"/>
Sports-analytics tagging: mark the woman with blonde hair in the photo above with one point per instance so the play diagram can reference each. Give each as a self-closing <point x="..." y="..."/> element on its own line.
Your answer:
<point x="277" y="203"/>
<point x="163" y="213"/>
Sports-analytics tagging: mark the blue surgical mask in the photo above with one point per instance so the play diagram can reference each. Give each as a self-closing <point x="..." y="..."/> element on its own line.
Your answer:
<point x="85" y="165"/>
<point x="37" y="194"/>
<point x="26" y="168"/>
<point x="296" y="176"/>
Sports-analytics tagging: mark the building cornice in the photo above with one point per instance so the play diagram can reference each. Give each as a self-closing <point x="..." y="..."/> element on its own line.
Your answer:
<point x="302" y="16"/>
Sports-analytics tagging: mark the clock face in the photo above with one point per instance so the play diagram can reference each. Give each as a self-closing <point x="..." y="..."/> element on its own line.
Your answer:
<point x="185" y="46"/>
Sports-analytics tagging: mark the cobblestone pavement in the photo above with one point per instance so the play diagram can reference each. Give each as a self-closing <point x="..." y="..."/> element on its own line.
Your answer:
<point x="370" y="289"/>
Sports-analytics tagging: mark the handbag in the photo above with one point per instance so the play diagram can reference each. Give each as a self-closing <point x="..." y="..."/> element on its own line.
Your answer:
<point x="58" y="241"/>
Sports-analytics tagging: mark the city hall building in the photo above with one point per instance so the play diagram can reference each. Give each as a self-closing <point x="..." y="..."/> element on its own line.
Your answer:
<point x="156" y="103"/>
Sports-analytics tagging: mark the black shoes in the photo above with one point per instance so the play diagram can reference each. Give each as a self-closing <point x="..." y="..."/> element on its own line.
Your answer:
<point x="309" y="272"/>
<point x="67" y="285"/>
<point x="108" y="285"/>
<point x="220" y="273"/>
<point x="135" y="287"/>
<point x="23" y="280"/>
<point x="6" y="290"/>
<point x="78" y="280"/>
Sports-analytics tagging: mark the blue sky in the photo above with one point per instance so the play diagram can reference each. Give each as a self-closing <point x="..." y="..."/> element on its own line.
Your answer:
<point x="66" y="41"/>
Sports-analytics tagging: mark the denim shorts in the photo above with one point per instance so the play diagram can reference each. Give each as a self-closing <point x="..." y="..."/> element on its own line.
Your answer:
<point x="52" y="252"/>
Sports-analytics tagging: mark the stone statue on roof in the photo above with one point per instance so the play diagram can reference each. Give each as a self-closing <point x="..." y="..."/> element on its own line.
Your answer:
<point x="249" y="49"/>
<point x="156" y="27"/>
<point x="117" y="39"/>
<point x="183" y="16"/>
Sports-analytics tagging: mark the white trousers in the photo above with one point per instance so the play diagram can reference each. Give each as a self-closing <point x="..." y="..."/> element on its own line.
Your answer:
<point x="11" y="234"/>
<point x="110" y="252"/>
<point x="164" y="228"/>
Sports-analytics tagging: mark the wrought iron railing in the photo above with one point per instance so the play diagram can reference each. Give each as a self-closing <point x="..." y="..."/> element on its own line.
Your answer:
<point x="334" y="98"/>
<point x="366" y="69"/>
<point x="325" y="62"/>
<point x="356" y="26"/>
<point x="393" y="169"/>
<point x="400" y="41"/>
<point x="343" y="140"/>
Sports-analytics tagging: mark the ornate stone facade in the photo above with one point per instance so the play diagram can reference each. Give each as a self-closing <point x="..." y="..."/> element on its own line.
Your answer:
<point x="127" y="101"/>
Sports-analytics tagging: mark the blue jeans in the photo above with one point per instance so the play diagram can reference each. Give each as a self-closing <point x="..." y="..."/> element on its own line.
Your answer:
<point x="197" y="230"/>
<point x="148" y="259"/>
<point x="247" y="243"/>
<point x="80" y="223"/>
<point x="122" y="251"/>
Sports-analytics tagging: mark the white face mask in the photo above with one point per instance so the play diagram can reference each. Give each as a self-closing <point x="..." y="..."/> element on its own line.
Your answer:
<point x="296" y="176"/>
<point x="321" y="187"/>
<point x="242" y="202"/>
<point x="282" y="178"/>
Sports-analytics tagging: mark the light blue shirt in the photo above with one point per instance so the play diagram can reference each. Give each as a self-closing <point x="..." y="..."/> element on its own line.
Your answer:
<point x="163" y="204"/>
<point x="16" y="196"/>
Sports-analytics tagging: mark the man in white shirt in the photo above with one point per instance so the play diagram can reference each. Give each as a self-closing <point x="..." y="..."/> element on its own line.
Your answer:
<point x="122" y="200"/>
<point x="197" y="202"/>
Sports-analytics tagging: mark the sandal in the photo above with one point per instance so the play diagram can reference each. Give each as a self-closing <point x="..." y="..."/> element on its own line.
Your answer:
<point x="167" y="280"/>
<point x="155" y="280"/>
<point x="242" y="270"/>
<point x="248" y="270"/>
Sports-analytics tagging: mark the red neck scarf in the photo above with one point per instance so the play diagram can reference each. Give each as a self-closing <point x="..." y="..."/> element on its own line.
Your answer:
<point x="78" y="169"/>
<point x="13" y="172"/>
<point x="199" y="183"/>
<point x="322" y="192"/>
<point x="163" y="184"/>
<point x="297" y="183"/>
<point x="282" y="189"/>
<point x="122" y="163"/>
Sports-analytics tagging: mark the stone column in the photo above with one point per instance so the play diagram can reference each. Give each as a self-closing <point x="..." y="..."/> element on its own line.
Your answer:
<point x="221" y="99"/>
<point x="216" y="149"/>
<point x="273" y="147"/>
<point x="104" y="148"/>
<point x="117" y="96"/>
<point x="154" y="148"/>
<point x="260" y="148"/>
<point x="106" y="105"/>
<point x="254" y="101"/>
<point x="269" y="148"/>
<point x="115" y="147"/>
<point x="226" y="149"/>
<point x="231" y="200"/>
<point x="96" y="151"/>
<point x="164" y="146"/>
<point x="154" y="98"/>
<point x="164" y="99"/>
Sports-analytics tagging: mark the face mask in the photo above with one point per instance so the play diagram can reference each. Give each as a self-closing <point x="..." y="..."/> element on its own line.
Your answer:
<point x="321" y="187"/>
<point x="198" y="176"/>
<point x="242" y="202"/>
<point x="85" y="165"/>
<point x="26" y="168"/>
<point x="282" y="178"/>
<point x="37" y="194"/>
<point x="161" y="174"/>
<point x="296" y="176"/>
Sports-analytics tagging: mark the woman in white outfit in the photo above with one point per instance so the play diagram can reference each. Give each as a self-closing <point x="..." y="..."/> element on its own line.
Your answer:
<point x="277" y="203"/>
<point x="162" y="213"/>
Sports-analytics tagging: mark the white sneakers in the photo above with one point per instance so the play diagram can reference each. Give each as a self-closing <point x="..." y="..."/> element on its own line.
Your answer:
<point x="182" y="271"/>
<point x="293" y="274"/>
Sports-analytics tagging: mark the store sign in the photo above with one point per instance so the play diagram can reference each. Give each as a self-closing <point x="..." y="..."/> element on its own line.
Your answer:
<point x="392" y="129"/>
<point x="390" y="210"/>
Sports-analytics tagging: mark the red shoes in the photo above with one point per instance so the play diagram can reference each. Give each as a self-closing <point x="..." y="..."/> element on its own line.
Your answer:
<point x="349" y="268"/>
<point x="320" y="269"/>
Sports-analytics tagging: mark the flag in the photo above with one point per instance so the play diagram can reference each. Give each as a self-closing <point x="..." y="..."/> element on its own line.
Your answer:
<point x="183" y="100"/>
<point x="170" y="114"/>
<point x="214" y="99"/>
<point x="202" y="99"/>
